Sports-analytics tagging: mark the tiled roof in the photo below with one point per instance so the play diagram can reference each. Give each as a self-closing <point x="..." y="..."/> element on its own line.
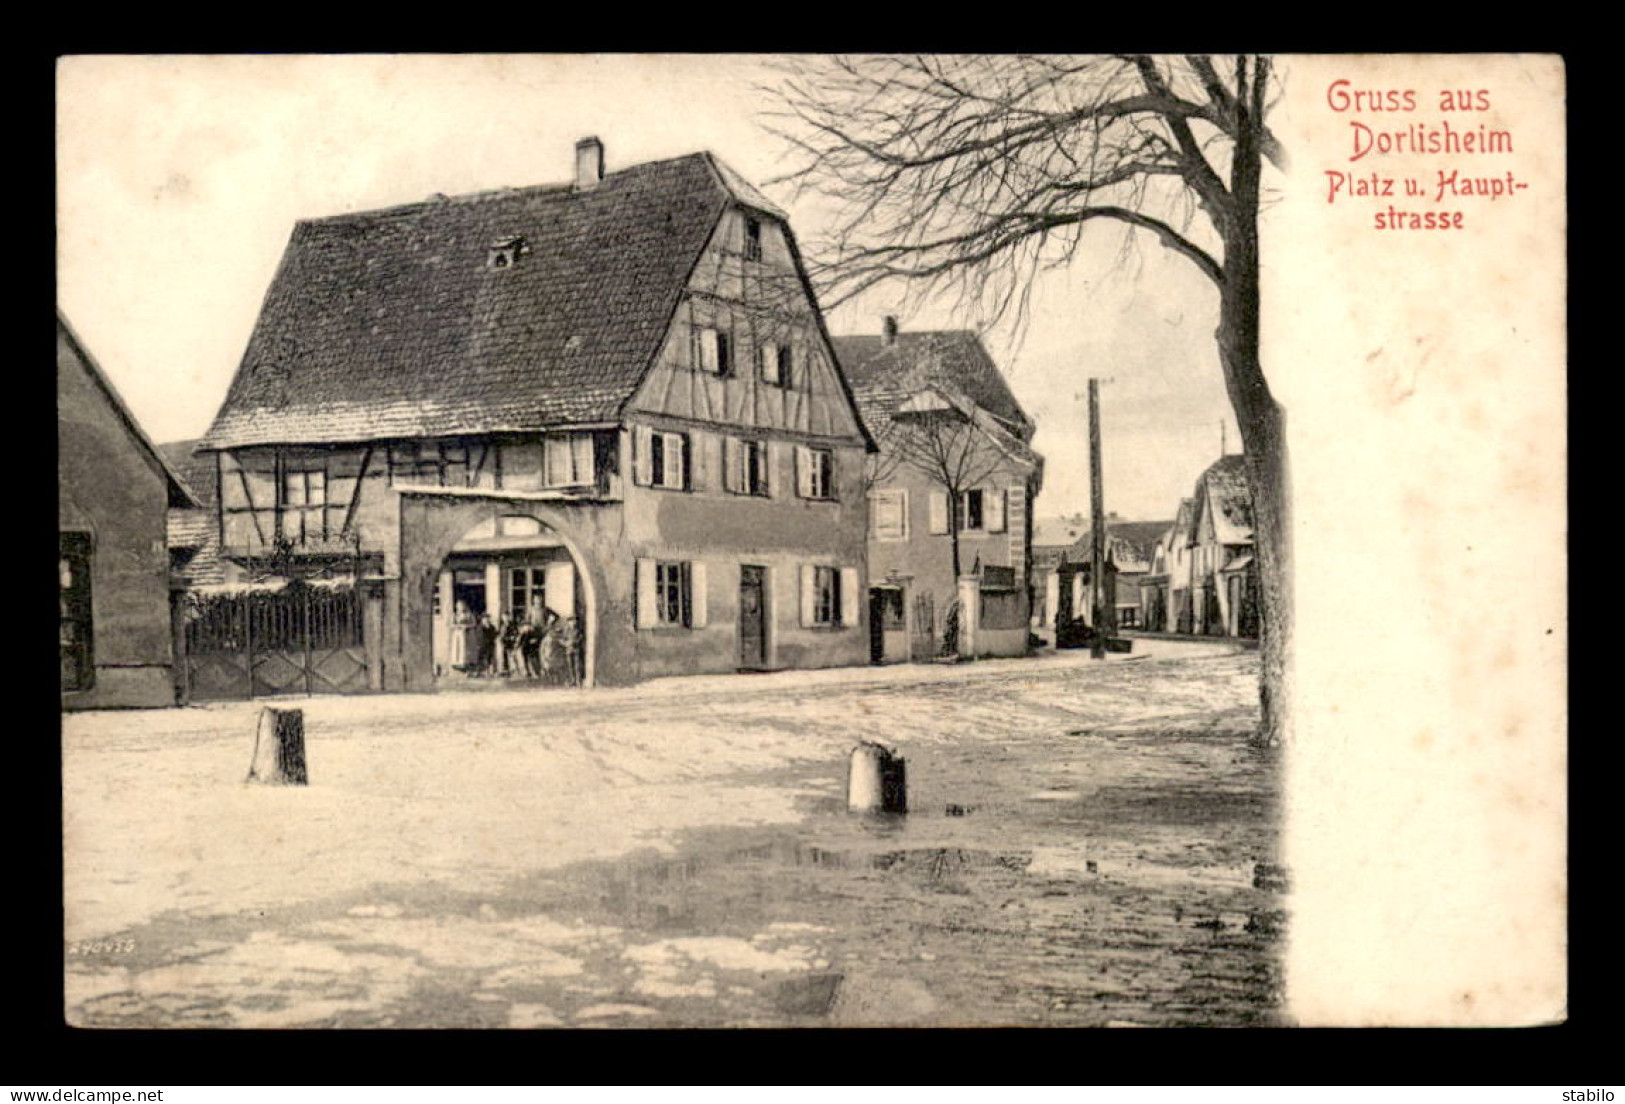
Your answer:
<point x="195" y="529"/>
<point x="1133" y="543"/>
<point x="196" y="469"/>
<point x="1057" y="533"/>
<point x="883" y="375"/>
<point x="1224" y="487"/>
<point x="391" y="324"/>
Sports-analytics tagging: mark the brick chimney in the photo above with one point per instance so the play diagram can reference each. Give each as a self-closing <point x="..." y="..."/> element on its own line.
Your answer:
<point x="890" y="329"/>
<point x="589" y="164"/>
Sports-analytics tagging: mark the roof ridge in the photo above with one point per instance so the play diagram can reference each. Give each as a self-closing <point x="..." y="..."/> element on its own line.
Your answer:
<point x="440" y="200"/>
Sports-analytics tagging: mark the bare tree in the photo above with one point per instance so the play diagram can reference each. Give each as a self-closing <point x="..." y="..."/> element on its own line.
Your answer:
<point x="971" y="175"/>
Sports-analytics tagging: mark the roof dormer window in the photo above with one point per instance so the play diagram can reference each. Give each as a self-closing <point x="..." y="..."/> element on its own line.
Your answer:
<point x="505" y="252"/>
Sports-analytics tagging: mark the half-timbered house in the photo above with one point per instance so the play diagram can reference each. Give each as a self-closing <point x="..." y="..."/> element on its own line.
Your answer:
<point x="609" y="405"/>
<point x="1224" y="576"/>
<point x="951" y="488"/>
<point x="117" y="631"/>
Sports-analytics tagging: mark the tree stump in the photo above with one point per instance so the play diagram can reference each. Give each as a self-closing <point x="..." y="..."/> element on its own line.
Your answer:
<point x="876" y="780"/>
<point x="279" y="749"/>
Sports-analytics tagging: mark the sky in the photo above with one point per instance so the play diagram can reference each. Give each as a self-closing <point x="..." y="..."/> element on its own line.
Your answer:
<point x="179" y="180"/>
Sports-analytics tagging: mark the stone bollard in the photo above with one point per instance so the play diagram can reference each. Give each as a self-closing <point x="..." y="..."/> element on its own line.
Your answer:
<point x="876" y="780"/>
<point x="279" y="748"/>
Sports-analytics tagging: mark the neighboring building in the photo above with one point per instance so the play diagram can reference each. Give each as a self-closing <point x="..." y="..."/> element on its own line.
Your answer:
<point x="612" y="399"/>
<point x="1165" y="589"/>
<point x="194" y="532"/>
<point x="1130" y="550"/>
<point x="1203" y="577"/>
<point x="117" y="633"/>
<point x="945" y="421"/>
<point x="1224" y="573"/>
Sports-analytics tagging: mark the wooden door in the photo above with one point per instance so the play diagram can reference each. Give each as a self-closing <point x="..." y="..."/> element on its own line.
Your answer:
<point x="877" y="621"/>
<point x="752" y="617"/>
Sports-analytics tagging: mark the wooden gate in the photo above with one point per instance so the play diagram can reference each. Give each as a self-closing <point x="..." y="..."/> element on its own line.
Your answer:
<point x="298" y="640"/>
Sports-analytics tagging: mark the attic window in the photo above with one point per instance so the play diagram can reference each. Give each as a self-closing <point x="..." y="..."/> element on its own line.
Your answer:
<point x="505" y="252"/>
<point x="753" y="239"/>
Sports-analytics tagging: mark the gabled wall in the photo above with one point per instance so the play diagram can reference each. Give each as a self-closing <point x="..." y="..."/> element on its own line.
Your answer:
<point x="757" y="302"/>
<point x="111" y="488"/>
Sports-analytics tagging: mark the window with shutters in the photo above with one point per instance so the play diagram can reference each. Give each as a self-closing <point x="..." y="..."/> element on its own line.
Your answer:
<point x="774" y="363"/>
<point x="972" y="518"/>
<point x="815" y="473"/>
<point x="826" y="596"/>
<point x="667" y="463"/>
<point x="745" y="466"/>
<point x="712" y="351"/>
<point x="568" y="460"/>
<point x="888" y="515"/>
<point x="673" y="600"/>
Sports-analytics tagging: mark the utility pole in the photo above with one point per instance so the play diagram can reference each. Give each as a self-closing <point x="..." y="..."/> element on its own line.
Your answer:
<point x="1097" y="528"/>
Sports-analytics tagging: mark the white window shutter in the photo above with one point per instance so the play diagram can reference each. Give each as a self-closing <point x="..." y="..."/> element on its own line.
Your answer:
<point x="699" y="462"/>
<point x="809" y="595"/>
<point x="581" y="453"/>
<point x="642" y="455"/>
<point x="850" y="612"/>
<point x="938" y="521"/>
<point x="803" y="471"/>
<point x="646" y="613"/>
<point x="993" y="511"/>
<point x="730" y="464"/>
<point x="715" y="469"/>
<point x="674" y="461"/>
<point x="696" y="595"/>
<point x="560" y="583"/>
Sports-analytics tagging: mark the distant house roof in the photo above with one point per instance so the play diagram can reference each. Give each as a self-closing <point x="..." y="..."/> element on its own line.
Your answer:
<point x="1132" y="544"/>
<point x="179" y="493"/>
<point x="1224" y="493"/>
<point x="391" y="323"/>
<point x="196" y="468"/>
<point x="885" y="373"/>
<point x="1056" y="533"/>
<point x="195" y="529"/>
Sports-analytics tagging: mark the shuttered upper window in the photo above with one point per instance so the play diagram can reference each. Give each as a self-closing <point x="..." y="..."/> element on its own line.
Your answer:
<point x="815" y="473"/>
<point x="660" y="459"/>
<point x="568" y="460"/>
<point x="713" y="351"/>
<point x="888" y="515"/>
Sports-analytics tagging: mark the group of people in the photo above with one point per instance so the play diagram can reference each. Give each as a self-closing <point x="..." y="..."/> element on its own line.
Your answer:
<point x="538" y="644"/>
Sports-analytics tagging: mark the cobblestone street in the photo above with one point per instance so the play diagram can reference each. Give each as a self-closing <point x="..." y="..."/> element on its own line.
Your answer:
<point x="1088" y="844"/>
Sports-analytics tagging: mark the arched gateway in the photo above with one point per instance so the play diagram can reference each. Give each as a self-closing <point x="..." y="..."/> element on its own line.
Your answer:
<point x="508" y="596"/>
